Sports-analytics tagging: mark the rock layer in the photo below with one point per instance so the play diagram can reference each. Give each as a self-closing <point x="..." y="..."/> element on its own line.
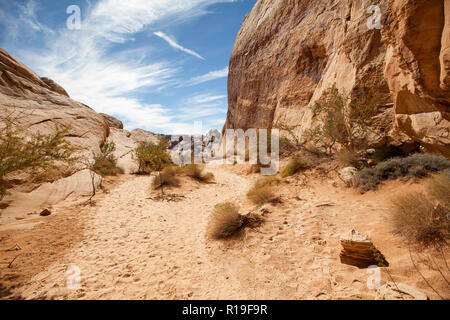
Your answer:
<point x="288" y="52"/>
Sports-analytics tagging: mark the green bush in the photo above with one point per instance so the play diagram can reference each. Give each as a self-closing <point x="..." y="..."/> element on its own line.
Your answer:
<point x="343" y="119"/>
<point x="34" y="154"/>
<point x="417" y="165"/>
<point x="152" y="157"/>
<point x="295" y="165"/>
<point x="105" y="163"/>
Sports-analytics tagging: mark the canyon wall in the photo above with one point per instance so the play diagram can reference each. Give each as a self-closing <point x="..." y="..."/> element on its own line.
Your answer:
<point x="288" y="52"/>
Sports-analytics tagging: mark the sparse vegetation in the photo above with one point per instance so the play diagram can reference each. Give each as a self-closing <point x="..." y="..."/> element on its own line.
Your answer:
<point x="420" y="220"/>
<point x="348" y="157"/>
<point x="423" y="220"/>
<point x="196" y="172"/>
<point x="105" y="163"/>
<point x="225" y="221"/>
<point x="166" y="178"/>
<point x="34" y="155"/>
<point x="343" y="119"/>
<point x="294" y="166"/>
<point x="417" y="165"/>
<point x="263" y="191"/>
<point x="152" y="157"/>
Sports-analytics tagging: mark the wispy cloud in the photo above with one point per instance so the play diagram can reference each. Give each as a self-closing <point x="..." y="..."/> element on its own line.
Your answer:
<point x="173" y="43"/>
<point x="213" y="75"/>
<point x="82" y="62"/>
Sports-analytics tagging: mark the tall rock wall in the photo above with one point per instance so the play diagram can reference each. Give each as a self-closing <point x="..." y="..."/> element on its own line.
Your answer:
<point x="288" y="52"/>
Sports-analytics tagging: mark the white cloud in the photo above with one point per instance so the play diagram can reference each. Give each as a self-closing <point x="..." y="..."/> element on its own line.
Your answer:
<point x="81" y="60"/>
<point x="173" y="43"/>
<point x="213" y="75"/>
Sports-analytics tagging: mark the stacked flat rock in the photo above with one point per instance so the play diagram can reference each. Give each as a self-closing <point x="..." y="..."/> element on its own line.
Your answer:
<point x="360" y="252"/>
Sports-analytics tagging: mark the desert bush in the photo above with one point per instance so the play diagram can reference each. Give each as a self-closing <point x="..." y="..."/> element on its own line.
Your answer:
<point x="295" y="165"/>
<point x="417" y="165"/>
<point x="348" y="157"/>
<point x="439" y="189"/>
<point x="166" y="178"/>
<point x="342" y="119"/>
<point x="105" y="163"/>
<point x="152" y="157"/>
<point x="34" y="154"/>
<point x="419" y="220"/>
<point x="225" y="221"/>
<point x="196" y="172"/>
<point x="263" y="190"/>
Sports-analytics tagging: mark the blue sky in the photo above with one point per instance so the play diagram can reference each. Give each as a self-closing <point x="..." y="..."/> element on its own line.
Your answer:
<point x="159" y="65"/>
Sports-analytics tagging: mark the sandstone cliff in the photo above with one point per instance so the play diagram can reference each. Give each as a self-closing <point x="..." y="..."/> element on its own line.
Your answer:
<point x="288" y="52"/>
<point x="40" y="105"/>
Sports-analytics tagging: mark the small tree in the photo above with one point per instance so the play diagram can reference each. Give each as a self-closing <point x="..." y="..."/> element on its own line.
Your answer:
<point x="152" y="157"/>
<point x="33" y="154"/>
<point x="343" y="119"/>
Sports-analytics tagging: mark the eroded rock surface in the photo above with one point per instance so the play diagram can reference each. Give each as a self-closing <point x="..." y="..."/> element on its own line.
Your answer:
<point x="288" y="52"/>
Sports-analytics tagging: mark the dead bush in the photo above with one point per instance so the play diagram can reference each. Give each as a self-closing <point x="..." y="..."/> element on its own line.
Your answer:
<point x="263" y="191"/>
<point x="419" y="220"/>
<point x="166" y="178"/>
<point x="225" y="221"/>
<point x="417" y="165"/>
<point x="348" y="157"/>
<point x="295" y="165"/>
<point x="196" y="172"/>
<point x="439" y="189"/>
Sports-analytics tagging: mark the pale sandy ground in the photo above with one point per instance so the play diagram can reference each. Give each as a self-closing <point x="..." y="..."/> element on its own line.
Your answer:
<point x="135" y="248"/>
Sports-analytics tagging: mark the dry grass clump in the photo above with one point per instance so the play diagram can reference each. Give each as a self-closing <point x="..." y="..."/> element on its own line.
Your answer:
<point x="417" y="165"/>
<point x="439" y="188"/>
<point x="225" y="221"/>
<point x="196" y="172"/>
<point x="167" y="177"/>
<point x="348" y="157"/>
<point x="295" y="165"/>
<point x="419" y="220"/>
<point x="263" y="191"/>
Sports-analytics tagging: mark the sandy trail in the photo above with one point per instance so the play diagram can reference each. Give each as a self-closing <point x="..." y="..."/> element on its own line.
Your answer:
<point x="135" y="248"/>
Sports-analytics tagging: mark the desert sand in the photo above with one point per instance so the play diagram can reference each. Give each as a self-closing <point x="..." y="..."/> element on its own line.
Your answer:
<point x="128" y="246"/>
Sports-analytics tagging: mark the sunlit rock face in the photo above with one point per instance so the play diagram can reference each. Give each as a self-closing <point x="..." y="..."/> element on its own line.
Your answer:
<point x="287" y="53"/>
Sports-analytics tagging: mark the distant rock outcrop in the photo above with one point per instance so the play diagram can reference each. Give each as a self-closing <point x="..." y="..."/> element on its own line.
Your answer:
<point x="112" y="122"/>
<point x="288" y="52"/>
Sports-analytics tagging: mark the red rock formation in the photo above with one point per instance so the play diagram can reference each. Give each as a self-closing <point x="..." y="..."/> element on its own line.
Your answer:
<point x="288" y="52"/>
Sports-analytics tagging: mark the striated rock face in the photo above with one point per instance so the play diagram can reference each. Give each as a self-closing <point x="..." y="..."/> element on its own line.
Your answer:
<point x="43" y="104"/>
<point x="359" y="251"/>
<point x="288" y="52"/>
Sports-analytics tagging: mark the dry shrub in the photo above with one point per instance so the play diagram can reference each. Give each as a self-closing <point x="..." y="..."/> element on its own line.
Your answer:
<point x="348" y="157"/>
<point x="295" y="165"/>
<point x="263" y="191"/>
<point x="196" y="172"/>
<point x="225" y="221"/>
<point x="167" y="177"/>
<point x="417" y="165"/>
<point x="419" y="220"/>
<point x="439" y="188"/>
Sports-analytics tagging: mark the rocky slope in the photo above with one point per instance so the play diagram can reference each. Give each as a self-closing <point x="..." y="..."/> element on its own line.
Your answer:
<point x="288" y="52"/>
<point x="40" y="105"/>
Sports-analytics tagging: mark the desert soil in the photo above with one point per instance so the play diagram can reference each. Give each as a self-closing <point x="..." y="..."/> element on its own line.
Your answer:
<point x="128" y="246"/>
